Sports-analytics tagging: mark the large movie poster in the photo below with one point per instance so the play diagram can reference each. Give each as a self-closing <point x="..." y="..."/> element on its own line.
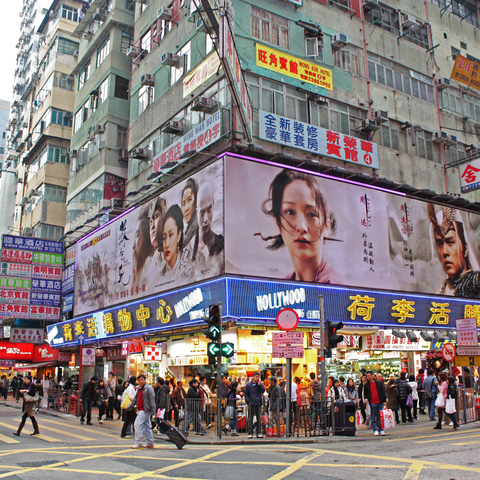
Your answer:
<point x="293" y="225"/>
<point x="173" y="240"/>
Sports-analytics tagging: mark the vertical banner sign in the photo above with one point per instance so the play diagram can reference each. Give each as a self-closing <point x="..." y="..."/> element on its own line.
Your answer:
<point x="233" y="72"/>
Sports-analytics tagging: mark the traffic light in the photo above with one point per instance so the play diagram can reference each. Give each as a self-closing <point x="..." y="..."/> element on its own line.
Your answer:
<point x="214" y="322"/>
<point x="220" y="349"/>
<point x="331" y="329"/>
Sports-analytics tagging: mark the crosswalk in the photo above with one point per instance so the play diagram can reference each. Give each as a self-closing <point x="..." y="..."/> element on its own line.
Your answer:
<point x="57" y="430"/>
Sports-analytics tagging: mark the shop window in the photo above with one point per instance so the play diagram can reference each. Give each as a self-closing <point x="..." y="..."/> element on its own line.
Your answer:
<point x="270" y="28"/>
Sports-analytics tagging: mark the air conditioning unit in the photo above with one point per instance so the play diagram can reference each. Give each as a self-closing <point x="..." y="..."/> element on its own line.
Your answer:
<point x="75" y="53"/>
<point x="369" y="125"/>
<point x="100" y="15"/>
<point x="381" y="116"/>
<point x="73" y="154"/>
<point x="173" y="127"/>
<point x="471" y="149"/>
<point x="170" y="59"/>
<point x="139" y="153"/>
<point x="165" y="14"/>
<point x="24" y="201"/>
<point x="369" y="4"/>
<point x="408" y="20"/>
<point x="33" y="193"/>
<point x="28" y="232"/>
<point x="451" y="140"/>
<point x="203" y="104"/>
<point x="123" y="154"/>
<point x="439" y="137"/>
<point x="443" y="83"/>
<point x="98" y="129"/>
<point x="339" y="40"/>
<point x="148" y="80"/>
<point x="133" y="51"/>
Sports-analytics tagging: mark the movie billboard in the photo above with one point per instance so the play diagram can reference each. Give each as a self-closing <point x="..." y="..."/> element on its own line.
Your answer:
<point x="294" y="225"/>
<point x="172" y="240"/>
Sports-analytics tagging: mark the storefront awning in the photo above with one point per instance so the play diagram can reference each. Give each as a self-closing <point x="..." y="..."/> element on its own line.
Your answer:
<point x="33" y="366"/>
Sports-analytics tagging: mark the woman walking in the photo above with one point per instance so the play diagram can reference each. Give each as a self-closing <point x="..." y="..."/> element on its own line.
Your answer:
<point x="129" y="416"/>
<point x="392" y="399"/>
<point x="452" y="394"/>
<point x="232" y="402"/>
<point x="414" y="385"/>
<point x="28" y="393"/>
<point x="101" y="399"/>
<point x="442" y="386"/>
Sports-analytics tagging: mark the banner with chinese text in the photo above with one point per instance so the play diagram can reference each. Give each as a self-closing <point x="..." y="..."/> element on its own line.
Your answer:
<point x="209" y="67"/>
<point x="298" y="68"/>
<point x="310" y="138"/>
<point x="470" y="175"/>
<point x="466" y="71"/>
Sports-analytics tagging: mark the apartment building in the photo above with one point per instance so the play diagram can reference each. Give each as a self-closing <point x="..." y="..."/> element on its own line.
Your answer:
<point x="98" y="155"/>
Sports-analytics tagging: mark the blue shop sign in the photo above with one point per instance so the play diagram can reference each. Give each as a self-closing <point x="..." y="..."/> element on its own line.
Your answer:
<point x="68" y="277"/>
<point x="67" y="303"/>
<point x="45" y="299"/>
<point x="32" y="244"/>
<point x="46" y="286"/>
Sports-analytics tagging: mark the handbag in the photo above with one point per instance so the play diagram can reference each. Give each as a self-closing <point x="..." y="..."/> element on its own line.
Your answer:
<point x="450" y="406"/>
<point x="409" y="401"/>
<point x="161" y="413"/>
<point x="229" y="411"/>
<point x="440" y="401"/>
<point x="29" y="399"/>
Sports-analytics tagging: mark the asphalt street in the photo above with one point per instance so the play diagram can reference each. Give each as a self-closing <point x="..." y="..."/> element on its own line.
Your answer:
<point x="66" y="449"/>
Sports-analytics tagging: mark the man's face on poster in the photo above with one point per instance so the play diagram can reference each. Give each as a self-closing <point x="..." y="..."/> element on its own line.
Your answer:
<point x="205" y="210"/>
<point x="156" y="228"/>
<point x="453" y="254"/>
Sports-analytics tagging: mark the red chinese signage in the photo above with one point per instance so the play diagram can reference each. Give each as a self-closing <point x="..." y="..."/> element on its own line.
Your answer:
<point x="21" y="352"/>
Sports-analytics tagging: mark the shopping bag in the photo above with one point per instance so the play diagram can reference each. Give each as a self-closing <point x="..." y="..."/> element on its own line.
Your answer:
<point x="368" y="413"/>
<point x="229" y="411"/>
<point x="409" y="401"/>
<point x="265" y="419"/>
<point x="161" y="413"/>
<point x="477" y="401"/>
<point x="273" y="431"/>
<point x="450" y="405"/>
<point x="440" y="401"/>
<point x="386" y="418"/>
<point x="359" y="418"/>
<point x="126" y="402"/>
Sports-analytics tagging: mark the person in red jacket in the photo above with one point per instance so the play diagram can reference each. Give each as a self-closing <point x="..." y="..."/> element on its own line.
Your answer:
<point x="375" y="395"/>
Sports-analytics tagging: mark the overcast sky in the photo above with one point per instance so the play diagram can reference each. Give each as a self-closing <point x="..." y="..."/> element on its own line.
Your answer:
<point x="9" y="33"/>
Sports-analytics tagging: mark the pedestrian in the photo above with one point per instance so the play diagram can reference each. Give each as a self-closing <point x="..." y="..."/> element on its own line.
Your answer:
<point x="178" y="401"/>
<point x="193" y="409"/>
<point x="29" y="399"/>
<point x="87" y="395"/>
<point x="392" y="398"/>
<point x="404" y="390"/>
<point x="163" y="401"/>
<point x="351" y="393"/>
<point x="360" y="398"/>
<point x="5" y="385"/>
<point x="430" y="387"/>
<point x="336" y="393"/>
<point x="207" y="397"/>
<point x="315" y="396"/>
<point x="342" y="383"/>
<point x="145" y="403"/>
<point x="274" y="402"/>
<point x="118" y="397"/>
<point x="442" y="386"/>
<point x="232" y="403"/>
<point x="14" y="384"/>
<point x="375" y="395"/>
<point x="101" y="400"/>
<point x="39" y="390"/>
<point x="19" y="386"/>
<point x="452" y="394"/>
<point x="421" y="391"/>
<point x="129" y="415"/>
<point x="254" y="399"/>
<point x="110" y="385"/>
<point x="414" y="386"/>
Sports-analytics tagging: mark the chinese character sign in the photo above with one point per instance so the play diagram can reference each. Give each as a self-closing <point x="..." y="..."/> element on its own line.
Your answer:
<point x="310" y="138"/>
<point x="285" y="64"/>
<point x="470" y="175"/>
<point x="466" y="71"/>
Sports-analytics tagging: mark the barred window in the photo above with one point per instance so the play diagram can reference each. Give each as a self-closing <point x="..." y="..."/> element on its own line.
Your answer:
<point x="66" y="46"/>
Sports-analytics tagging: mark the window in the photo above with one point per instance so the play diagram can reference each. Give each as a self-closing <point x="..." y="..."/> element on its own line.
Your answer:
<point x="270" y="28"/>
<point x="471" y="106"/>
<point x="462" y="8"/>
<point x="60" y="117"/>
<point x="126" y="42"/>
<point x="103" y="52"/>
<point x="48" y="57"/>
<point x="463" y="45"/>
<point x="78" y="120"/>
<point x="84" y="75"/>
<point x="451" y="99"/>
<point x="49" y="232"/>
<point x="417" y="34"/>
<point x="66" y="46"/>
<point x="55" y="155"/>
<point x="145" y="98"/>
<point x="454" y="153"/>
<point x="346" y="59"/>
<point x="342" y="5"/>
<point x="424" y="147"/>
<point x="69" y="13"/>
<point x="103" y="90"/>
<point x="146" y="42"/>
<point x="121" y="87"/>
<point x="392" y="136"/>
<point x="121" y="137"/>
<point x="314" y="48"/>
<point x="385" y="18"/>
<point x="65" y="81"/>
<point x="130" y="5"/>
<point x="455" y="52"/>
<point x="44" y="91"/>
<point x="54" y="193"/>
<point x="209" y="44"/>
<point x="176" y="72"/>
<point x="402" y="79"/>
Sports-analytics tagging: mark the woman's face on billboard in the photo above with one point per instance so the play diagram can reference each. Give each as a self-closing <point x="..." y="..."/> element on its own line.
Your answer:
<point x="301" y="221"/>
<point x="171" y="237"/>
<point x="188" y="204"/>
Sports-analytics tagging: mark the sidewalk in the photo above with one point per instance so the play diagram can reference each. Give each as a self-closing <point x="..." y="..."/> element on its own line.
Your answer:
<point x="423" y="426"/>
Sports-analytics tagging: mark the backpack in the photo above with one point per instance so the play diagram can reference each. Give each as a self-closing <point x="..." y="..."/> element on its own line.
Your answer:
<point x="420" y="379"/>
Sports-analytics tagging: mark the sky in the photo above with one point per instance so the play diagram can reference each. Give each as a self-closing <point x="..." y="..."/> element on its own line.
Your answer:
<point x="9" y="33"/>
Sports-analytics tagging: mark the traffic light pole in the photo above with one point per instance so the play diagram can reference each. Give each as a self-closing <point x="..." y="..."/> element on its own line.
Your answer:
<point x="219" y="382"/>
<point x="323" y="373"/>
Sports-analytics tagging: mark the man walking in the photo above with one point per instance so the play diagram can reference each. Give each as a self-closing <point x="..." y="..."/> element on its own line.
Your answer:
<point x="254" y="398"/>
<point x="87" y="396"/>
<point x="146" y="408"/>
<point x="274" y="399"/>
<point x="421" y="390"/>
<point x="374" y="394"/>
<point x="110" y="385"/>
<point x="430" y="386"/>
